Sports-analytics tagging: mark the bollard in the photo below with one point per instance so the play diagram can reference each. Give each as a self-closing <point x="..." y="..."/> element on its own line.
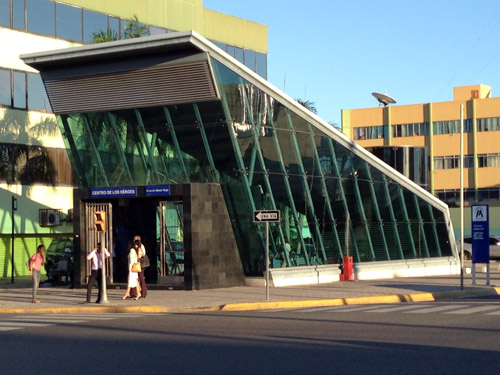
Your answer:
<point x="348" y="269"/>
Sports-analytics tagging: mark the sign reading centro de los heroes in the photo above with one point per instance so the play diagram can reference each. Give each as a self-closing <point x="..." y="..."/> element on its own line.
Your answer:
<point x="124" y="191"/>
<point x="129" y="191"/>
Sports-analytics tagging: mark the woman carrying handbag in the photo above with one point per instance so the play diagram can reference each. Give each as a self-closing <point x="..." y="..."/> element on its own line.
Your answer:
<point x="133" y="272"/>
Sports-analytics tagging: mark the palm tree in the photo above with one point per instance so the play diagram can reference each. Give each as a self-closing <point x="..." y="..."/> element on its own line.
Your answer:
<point x="308" y="104"/>
<point x="133" y="29"/>
<point x="102" y="36"/>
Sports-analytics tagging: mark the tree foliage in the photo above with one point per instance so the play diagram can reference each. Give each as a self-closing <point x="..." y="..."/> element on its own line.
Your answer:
<point x="133" y="29"/>
<point x="308" y="104"/>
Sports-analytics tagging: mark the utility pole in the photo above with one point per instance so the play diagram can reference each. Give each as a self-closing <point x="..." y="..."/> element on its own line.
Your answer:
<point x="14" y="208"/>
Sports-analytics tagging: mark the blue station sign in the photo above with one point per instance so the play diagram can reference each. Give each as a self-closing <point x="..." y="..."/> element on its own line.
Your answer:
<point x="114" y="192"/>
<point x="480" y="234"/>
<point x="157" y="190"/>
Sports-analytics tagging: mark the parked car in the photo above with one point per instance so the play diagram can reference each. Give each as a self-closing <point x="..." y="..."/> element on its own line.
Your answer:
<point x="58" y="258"/>
<point x="494" y="247"/>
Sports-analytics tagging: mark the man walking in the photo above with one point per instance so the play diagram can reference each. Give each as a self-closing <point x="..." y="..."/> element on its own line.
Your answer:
<point x="95" y="257"/>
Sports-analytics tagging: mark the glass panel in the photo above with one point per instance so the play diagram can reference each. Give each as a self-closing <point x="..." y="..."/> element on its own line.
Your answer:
<point x="239" y="54"/>
<point x="154" y="30"/>
<point x="93" y="22"/>
<point x="174" y="238"/>
<point x="230" y="50"/>
<point x="261" y="64"/>
<point x="18" y="15"/>
<point x="114" y="25"/>
<point x="5" y="13"/>
<point x="250" y="59"/>
<point x="69" y="22"/>
<point x="20" y="90"/>
<point x="5" y="89"/>
<point x="41" y="17"/>
<point x="37" y="96"/>
<point x="222" y="46"/>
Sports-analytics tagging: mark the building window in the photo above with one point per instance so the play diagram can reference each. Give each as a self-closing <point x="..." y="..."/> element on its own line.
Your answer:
<point x="34" y="165"/>
<point x="41" y="17"/>
<point x="488" y="124"/>
<point x="93" y="22"/>
<point x="250" y="59"/>
<point x="453" y="162"/>
<point x="28" y="94"/>
<point x="5" y="13"/>
<point x="19" y="90"/>
<point x="5" y="88"/>
<point x="37" y="96"/>
<point x="370" y="132"/>
<point x="239" y="55"/>
<point x="410" y="130"/>
<point x="261" y="64"/>
<point x="69" y="22"/>
<point x="19" y="15"/>
<point x="451" y="127"/>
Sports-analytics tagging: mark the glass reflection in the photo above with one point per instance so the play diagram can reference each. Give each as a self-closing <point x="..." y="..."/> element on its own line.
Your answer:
<point x="333" y="201"/>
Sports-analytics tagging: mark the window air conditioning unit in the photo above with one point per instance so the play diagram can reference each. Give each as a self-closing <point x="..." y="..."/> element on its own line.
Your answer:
<point x="50" y="217"/>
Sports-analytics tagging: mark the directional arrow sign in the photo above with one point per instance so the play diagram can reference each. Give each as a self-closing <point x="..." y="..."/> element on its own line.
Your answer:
<point x="270" y="216"/>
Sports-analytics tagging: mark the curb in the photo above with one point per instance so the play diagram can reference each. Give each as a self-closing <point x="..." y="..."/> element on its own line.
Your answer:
<point x="107" y="309"/>
<point x="395" y="298"/>
<point x="252" y="306"/>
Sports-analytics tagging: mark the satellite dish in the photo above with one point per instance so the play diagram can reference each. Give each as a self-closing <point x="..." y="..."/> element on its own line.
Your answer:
<point x="383" y="99"/>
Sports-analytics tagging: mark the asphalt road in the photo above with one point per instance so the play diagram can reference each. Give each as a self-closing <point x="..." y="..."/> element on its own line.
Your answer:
<point x="456" y="337"/>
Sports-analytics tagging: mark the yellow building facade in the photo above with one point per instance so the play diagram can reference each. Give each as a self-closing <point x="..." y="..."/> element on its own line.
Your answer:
<point x="34" y="166"/>
<point x="436" y="127"/>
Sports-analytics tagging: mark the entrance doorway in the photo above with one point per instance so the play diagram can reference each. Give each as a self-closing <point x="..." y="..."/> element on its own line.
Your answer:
<point x="159" y="223"/>
<point x="170" y="231"/>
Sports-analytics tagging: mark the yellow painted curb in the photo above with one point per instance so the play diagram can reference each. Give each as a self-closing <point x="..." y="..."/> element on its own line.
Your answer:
<point x="268" y="305"/>
<point x="395" y="298"/>
<point x="418" y="297"/>
<point x="105" y="309"/>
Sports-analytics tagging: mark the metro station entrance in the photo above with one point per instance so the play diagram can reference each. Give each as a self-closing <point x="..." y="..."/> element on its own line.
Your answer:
<point x="158" y="220"/>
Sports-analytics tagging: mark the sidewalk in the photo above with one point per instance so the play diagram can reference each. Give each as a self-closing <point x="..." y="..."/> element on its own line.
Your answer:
<point x="16" y="297"/>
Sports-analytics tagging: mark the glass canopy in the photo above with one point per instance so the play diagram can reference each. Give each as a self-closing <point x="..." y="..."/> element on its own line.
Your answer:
<point x="265" y="155"/>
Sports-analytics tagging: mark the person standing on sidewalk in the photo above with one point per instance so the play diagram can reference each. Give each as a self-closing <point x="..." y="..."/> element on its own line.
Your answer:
<point x="36" y="262"/>
<point x="95" y="257"/>
<point x="141" y="254"/>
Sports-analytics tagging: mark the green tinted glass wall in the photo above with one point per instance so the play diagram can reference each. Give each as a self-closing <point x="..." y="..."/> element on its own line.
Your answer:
<point x="334" y="202"/>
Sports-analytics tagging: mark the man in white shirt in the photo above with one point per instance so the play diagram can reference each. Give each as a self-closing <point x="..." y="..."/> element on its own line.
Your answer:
<point x="95" y="258"/>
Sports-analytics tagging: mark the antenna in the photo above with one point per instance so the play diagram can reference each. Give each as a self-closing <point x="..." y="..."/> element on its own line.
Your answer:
<point x="383" y="99"/>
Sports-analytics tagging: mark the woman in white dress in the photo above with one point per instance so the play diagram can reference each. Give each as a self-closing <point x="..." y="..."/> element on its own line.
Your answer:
<point x="133" y="277"/>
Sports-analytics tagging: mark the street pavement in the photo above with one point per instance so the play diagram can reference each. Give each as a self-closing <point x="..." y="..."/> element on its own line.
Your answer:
<point x="16" y="297"/>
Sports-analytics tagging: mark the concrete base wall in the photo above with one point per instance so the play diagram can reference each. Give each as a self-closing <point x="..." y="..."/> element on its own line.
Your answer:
<point x="304" y="275"/>
<point x="408" y="268"/>
<point x="280" y="277"/>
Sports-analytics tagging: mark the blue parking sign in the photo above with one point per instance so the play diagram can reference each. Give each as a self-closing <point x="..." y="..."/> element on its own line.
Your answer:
<point x="480" y="234"/>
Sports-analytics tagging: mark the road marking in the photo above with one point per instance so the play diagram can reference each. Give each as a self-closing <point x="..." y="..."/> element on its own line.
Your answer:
<point x="473" y="310"/>
<point x="396" y="308"/>
<point x="435" y="309"/>
<point x="45" y="320"/>
<point x="406" y="309"/>
<point x="10" y="326"/>
<point x="23" y="324"/>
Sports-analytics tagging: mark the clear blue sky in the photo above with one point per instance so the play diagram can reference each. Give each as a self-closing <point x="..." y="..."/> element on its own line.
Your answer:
<point x="335" y="53"/>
